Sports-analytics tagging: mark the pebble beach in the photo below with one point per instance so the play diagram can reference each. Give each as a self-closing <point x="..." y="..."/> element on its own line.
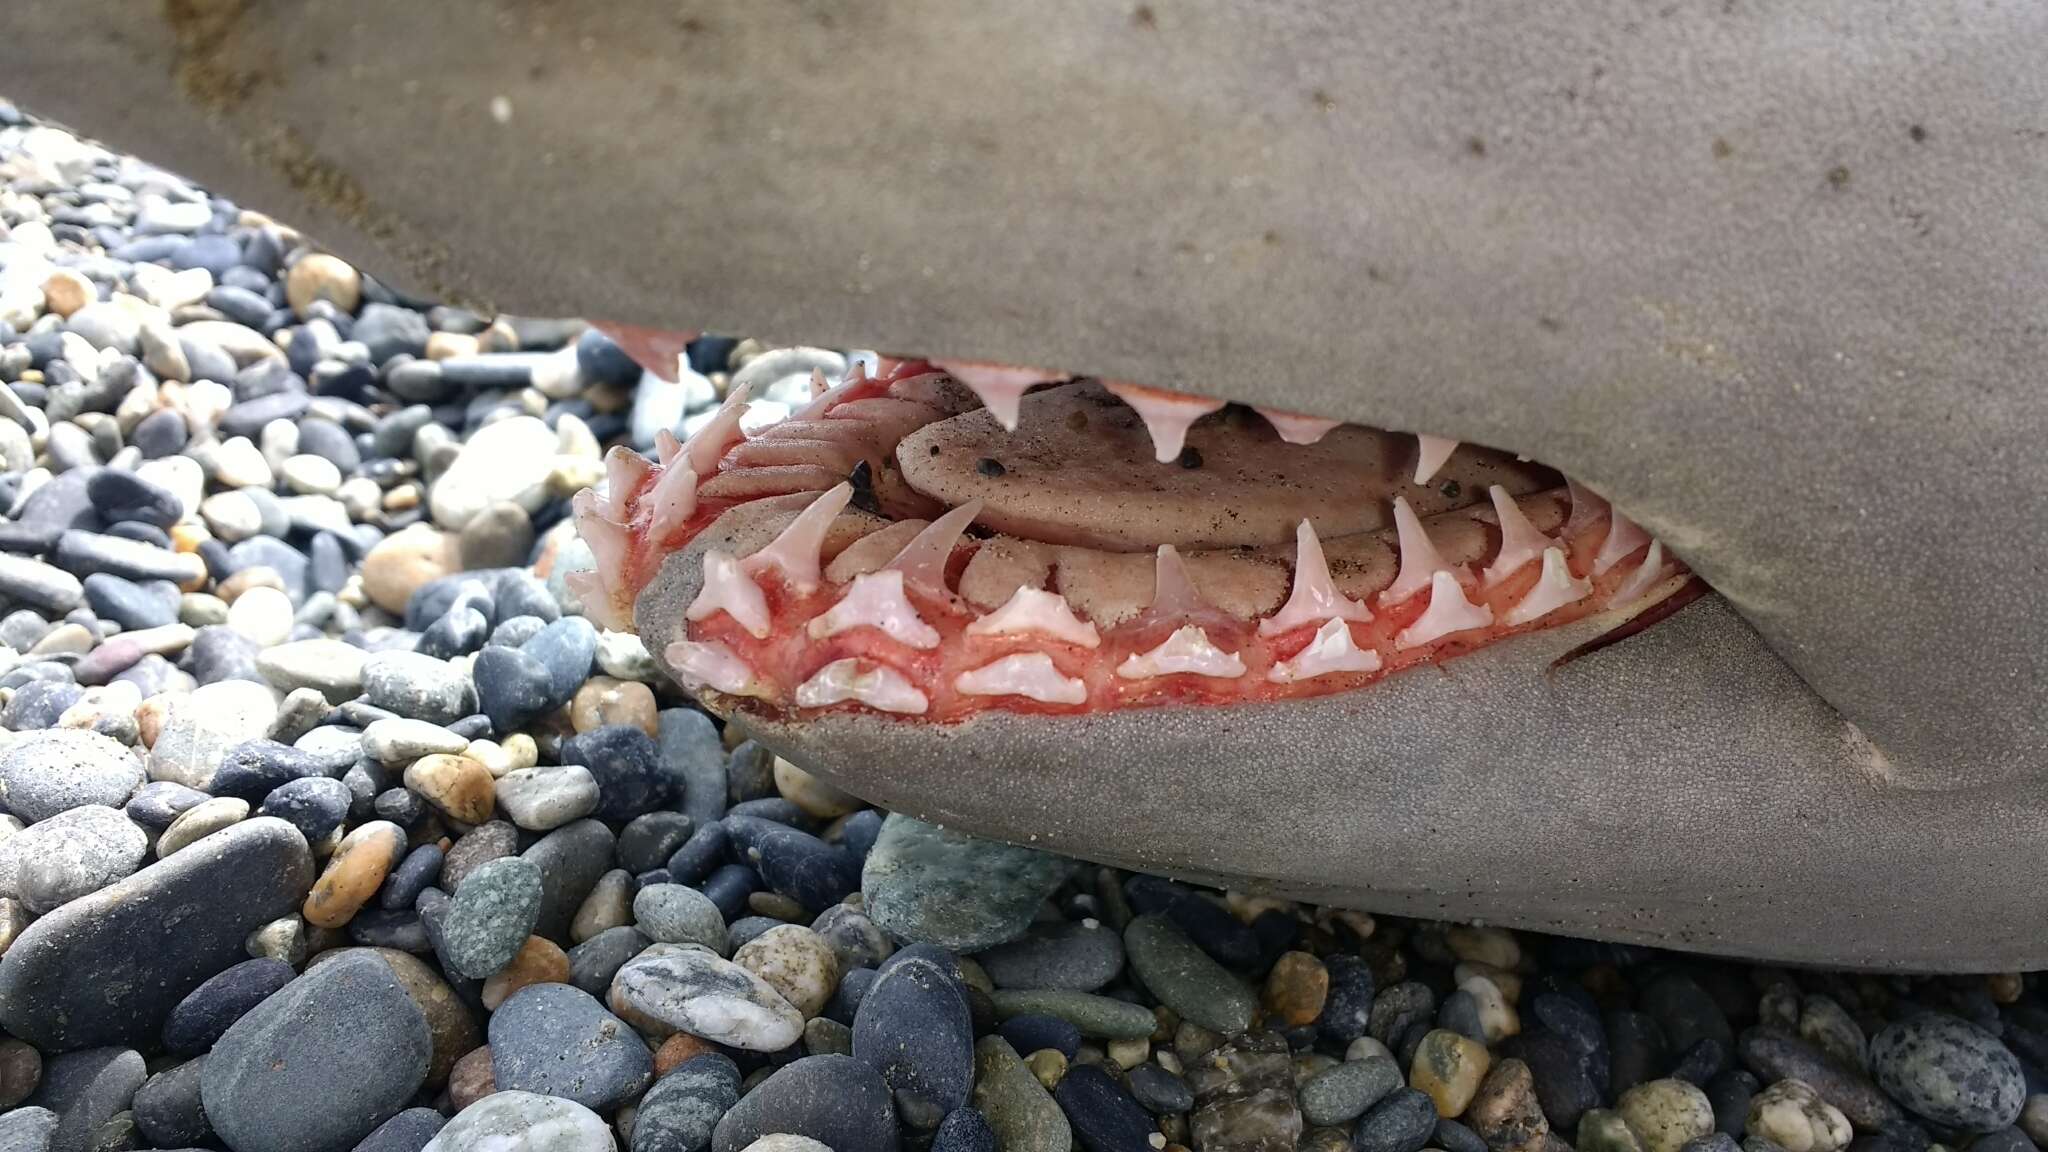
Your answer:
<point x="328" y="822"/>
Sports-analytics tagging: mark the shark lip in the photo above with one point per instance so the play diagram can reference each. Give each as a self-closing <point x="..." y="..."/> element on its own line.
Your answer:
<point x="930" y="544"/>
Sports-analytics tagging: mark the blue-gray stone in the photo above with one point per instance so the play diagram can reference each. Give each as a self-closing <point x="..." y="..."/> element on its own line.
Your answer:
<point x="559" y="1041"/>
<point x="914" y="1028"/>
<point x="682" y="1110"/>
<point x="836" y="1100"/>
<point x="202" y="1017"/>
<point x="494" y="911"/>
<point x="940" y="886"/>
<point x="1082" y="957"/>
<point x="690" y="744"/>
<point x="1949" y="1071"/>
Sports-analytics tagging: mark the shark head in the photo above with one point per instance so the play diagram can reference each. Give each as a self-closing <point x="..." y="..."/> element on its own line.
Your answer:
<point x="1763" y="286"/>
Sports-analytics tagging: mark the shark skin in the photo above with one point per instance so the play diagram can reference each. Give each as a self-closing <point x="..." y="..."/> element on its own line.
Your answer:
<point x="1769" y="277"/>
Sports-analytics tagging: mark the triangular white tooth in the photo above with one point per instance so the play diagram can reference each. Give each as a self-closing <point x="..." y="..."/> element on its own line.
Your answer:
<point x="1520" y="542"/>
<point x="728" y="589"/>
<point x="1315" y="596"/>
<point x="1588" y="509"/>
<point x="1624" y="536"/>
<point x="707" y="445"/>
<point x="1187" y="652"/>
<point x="709" y="664"/>
<point x="818" y="384"/>
<point x="1031" y="675"/>
<point x="624" y="470"/>
<point x="666" y="446"/>
<point x="606" y="537"/>
<point x="1331" y="652"/>
<point x="1173" y="588"/>
<point x="923" y="561"/>
<point x="1295" y="428"/>
<point x="1000" y="386"/>
<point x="1167" y="415"/>
<point x="1645" y="577"/>
<point x="1448" y="612"/>
<point x="1554" y="589"/>
<point x="876" y="600"/>
<point x="1430" y="454"/>
<point x="1420" y="561"/>
<point x="821" y="403"/>
<point x="674" y="498"/>
<point x="1034" y="610"/>
<point x="878" y="686"/>
<point x="588" y="588"/>
<point x="797" y="553"/>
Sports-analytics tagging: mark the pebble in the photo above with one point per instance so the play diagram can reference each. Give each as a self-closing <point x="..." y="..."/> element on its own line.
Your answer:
<point x="682" y="1110"/>
<point x="48" y="772"/>
<point x="1296" y="989"/>
<point x="418" y="686"/>
<point x="203" y="1016"/>
<point x="688" y="988"/>
<point x="345" y="1033"/>
<point x="571" y="859"/>
<point x="495" y="909"/>
<point x="1097" y="1016"/>
<point x="1505" y="1113"/>
<point x="505" y="461"/>
<point x="1081" y="957"/>
<point x="1103" y="1115"/>
<point x="354" y="872"/>
<point x="1401" y="1122"/>
<point x="674" y="914"/>
<point x="539" y="799"/>
<point x="915" y="1028"/>
<point x="523" y="1122"/>
<point x="555" y="1040"/>
<point x="1949" y="1071"/>
<point x="939" y="886"/>
<point x="454" y="784"/>
<point x="1792" y="1115"/>
<point x="1245" y="1096"/>
<point x="794" y="863"/>
<point x="1775" y="1055"/>
<point x="594" y="962"/>
<point x="331" y="667"/>
<point x="71" y="855"/>
<point x="836" y="1100"/>
<point x="1020" y="1110"/>
<point x="1449" y="1068"/>
<point x="1185" y="978"/>
<point x="1665" y="1114"/>
<point x="398" y="740"/>
<point x="199" y="821"/>
<point x="203" y="726"/>
<point x="409" y="1131"/>
<point x="538" y="961"/>
<point x="1342" y="1092"/>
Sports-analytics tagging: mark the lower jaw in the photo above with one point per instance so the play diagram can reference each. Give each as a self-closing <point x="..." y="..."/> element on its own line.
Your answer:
<point x="1220" y="627"/>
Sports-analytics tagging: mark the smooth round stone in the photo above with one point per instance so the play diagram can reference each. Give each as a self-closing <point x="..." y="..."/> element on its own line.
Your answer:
<point x="836" y="1100"/>
<point x="21" y="1070"/>
<point x="216" y="814"/>
<point x="609" y="905"/>
<point x="512" y="687"/>
<point x="681" y="1111"/>
<point x="499" y="536"/>
<point x="524" y="1122"/>
<point x="795" y="863"/>
<point x="914" y="1027"/>
<point x="88" y="1089"/>
<point x="626" y="763"/>
<point x="310" y="475"/>
<point x="648" y="840"/>
<point x="812" y="794"/>
<point x="788" y="1142"/>
<point x="1019" y="1109"/>
<point x="110" y="967"/>
<point x="168" y="1110"/>
<point x="538" y="961"/>
<point x="461" y="631"/>
<point x="688" y="988"/>
<point x="594" y="963"/>
<point x="1401" y="1122"/>
<point x="1341" y="1093"/>
<point x="604" y="700"/>
<point x="409" y="1131"/>
<point x="203" y="726"/>
<point x="559" y="1041"/>
<point x="317" y="276"/>
<point x="674" y="914"/>
<point x="1104" y="1117"/>
<point x="1098" y="1016"/>
<point x="854" y="938"/>
<point x="331" y="667"/>
<point x="398" y="740"/>
<point x="1949" y="1071"/>
<point x="482" y="843"/>
<point x="353" y="873"/>
<point x="1562" y="1082"/>
<point x="418" y="686"/>
<point x="939" y="886"/>
<point x="1449" y="1067"/>
<point x="130" y="604"/>
<point x="494" y="911"/>
<point x="539" y="799"/>
<point x="125" y="496"/>
<point x="75" y="853"/>
<point x="316" y="805"/>
<point x="1665" y="1114"/>
<point x="202" y="1017"/>
<point x="1792" y="1115"/>
<point x="1081" y="957"/>
<point x="345" y="1034"/>
<point x="565" y="647"/>
<point x="1185" y="978"/>
<point x="456" y="785"/>
<point x="1160" y="1092"/>
<point x="1296" y="988"/>
<point x="794" y="961"/>
<point x="505" y="461"/>
<point x="701" y="854"/>
<point x="1505" y="1111"/>
<point x="47" y="772"/>
<point x="405" y="561"/>
<point x="1776" y="1055"/>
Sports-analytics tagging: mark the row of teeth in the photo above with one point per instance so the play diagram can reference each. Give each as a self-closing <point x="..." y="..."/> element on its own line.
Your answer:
<point x="878" y="600"/>
<point x="1167" y="415"/>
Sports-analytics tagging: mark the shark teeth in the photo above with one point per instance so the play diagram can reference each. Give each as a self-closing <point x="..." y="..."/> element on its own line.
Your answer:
<point x="1430" y="454"/>
<point x="624" y="470"/>
<point x="1186" y="652"/>
<point x="1448" y="612"/>
<point x="709" y="664"/>
<point x="728" y="589"/>
<point x="923" y="561"/>
<point x="1315" y="596"/>
<point x="1554" y="589"/>
<point x="1644" y="577"/>
<point x="1167" y="415"/>
<point x="1520" y="542"/>
<point x="674" y="498"/>
<point x="1331" y="652"/>
<point x="876" y="685"/>
<point x="1031" y="675"/>
<point x="1295" y="428"/>
<point x="607" y="538"/>
<point x="1624" y="536"/>
<point x="876" y="600"/>
<point x="1034" y="610"/>
<point x="1001" y="387"/>
<point x="596" y="599"/>
<point x="1421" y="563"/>
<point x="797" y="553"/>
<point x="823" y="402"/>
<point x="1588" y="509"/>
<point x="705" y="447"/>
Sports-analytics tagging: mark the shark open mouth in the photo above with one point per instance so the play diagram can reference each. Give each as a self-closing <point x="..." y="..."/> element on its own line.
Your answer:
<point x="937" y="541"/>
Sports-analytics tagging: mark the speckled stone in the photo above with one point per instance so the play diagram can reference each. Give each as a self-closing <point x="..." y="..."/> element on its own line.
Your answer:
<point x="1505" y="1112"/>
<point x="1023" y="1114"/>
<point x="687" y="988"/>
<point x="1792" y="1115"/>
<point x="559" y="1041"/>
<point x="1450" y="1067"/>
<point x="1949" y="1071"/>
<point x="938" y="886"/>
<point x="796" y="962"/>
<point x="524" y="1122"/>
<point x="493" y="913"/>
<point x="1184" y="977"/>
<point x="1664" y="1114"/>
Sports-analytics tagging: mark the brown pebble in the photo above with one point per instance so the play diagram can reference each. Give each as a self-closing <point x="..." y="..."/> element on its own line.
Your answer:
<point x="1505" y="1112"/>
<point x="603" y="700"/>
<point x="2005" y="987"/>
<point x="405" y="560"/>
<point x="457" y="785"/>
<point x="354" y="873"/>
<point x="475" y="848"/>
<point x="151" y="714"/>
<point x="777" y="905"/>
<point x="21" y="1070"/>
<point x="538" y="961"/>
<point x="678" y="1048"/>
<point x="812" y="794"/>
<point x="1296" y="989"/>
<point x="471" y="1079"/>
<point x="255" y="576"/>
<point x="1449" y="1067"/>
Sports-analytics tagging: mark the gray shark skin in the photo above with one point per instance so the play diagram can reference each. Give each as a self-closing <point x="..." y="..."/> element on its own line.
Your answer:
<point x="1771" y="276"/>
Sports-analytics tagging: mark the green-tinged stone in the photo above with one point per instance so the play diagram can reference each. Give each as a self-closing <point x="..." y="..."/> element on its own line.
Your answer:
<point x="1097" y="1016"/>
<point x="1018" y="1107"/>
<point x="932" y="885"/>
<point x="1184" y="977"/>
